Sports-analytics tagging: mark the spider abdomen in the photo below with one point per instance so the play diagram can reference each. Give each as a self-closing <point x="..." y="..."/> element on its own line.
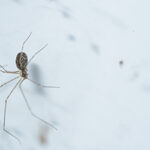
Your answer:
<point x="21" y="60"/>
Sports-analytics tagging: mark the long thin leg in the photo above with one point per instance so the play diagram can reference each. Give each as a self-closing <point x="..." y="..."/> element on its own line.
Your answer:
<point x="5" y="71"/>
<point x="9" y="81"/>
<point x="44" y="86"/>
<point x="12" y="72"/>
<point x="29" y="108"/>
<point x="37" y="53"/>
<point x="25" y="41"/>
<point x="5" y="109"/>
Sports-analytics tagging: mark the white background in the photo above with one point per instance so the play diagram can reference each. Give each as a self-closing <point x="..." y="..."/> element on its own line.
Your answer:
<point x="100" y="105"/>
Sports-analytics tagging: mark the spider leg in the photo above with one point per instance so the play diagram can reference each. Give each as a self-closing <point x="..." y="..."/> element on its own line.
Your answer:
<point x="8" y="81"/>
<point x="44" y="86"/>
<point x="12" y="72"/>
<point x="5" y="109"/>
<point x="25" y="41"/>
<point x="37" y="53"/>
<point x="5" y="71"/>
<point x="29" y="108"/>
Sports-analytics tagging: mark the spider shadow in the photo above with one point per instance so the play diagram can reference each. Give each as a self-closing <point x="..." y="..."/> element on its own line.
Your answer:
<point x="36" y="75"/>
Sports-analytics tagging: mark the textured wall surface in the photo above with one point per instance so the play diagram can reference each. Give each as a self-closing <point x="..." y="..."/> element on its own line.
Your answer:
<point x="98" y="53"/>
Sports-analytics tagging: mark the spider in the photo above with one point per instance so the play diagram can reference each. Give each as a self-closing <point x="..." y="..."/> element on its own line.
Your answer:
<point x="22" y="63"/>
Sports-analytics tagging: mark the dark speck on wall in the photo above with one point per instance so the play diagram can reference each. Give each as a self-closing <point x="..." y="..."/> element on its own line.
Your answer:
<point x="66" y="14"/>
<point x="95" y="48"/>
<point x="71" y="37"/>
<point x="121" y="63"/>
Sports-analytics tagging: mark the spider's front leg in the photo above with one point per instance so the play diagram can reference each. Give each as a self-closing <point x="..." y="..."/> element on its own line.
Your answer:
<point x="6" y="71"/>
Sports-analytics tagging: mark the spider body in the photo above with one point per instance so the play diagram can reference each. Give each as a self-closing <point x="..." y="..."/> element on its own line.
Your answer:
<point x="21" y="63"/>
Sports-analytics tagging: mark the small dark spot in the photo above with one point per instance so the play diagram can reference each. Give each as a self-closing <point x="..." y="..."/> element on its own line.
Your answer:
<point x="65" y="14"/>
<point x="134" y="76"/>
<point x="52" y="0"/>
<point x="121" y="63"/>
<point x="43" y="135"/>
<point x="71" y="38"/>
<point x="17" y="1"/>
<point x="95" y="48"/>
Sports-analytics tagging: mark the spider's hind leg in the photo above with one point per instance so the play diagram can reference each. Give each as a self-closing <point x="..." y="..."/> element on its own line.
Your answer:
<point x="5" y="110"/>
<point x="29" y="108"/>
<point x="41" y="85"/>
<point x="8" y="81"/>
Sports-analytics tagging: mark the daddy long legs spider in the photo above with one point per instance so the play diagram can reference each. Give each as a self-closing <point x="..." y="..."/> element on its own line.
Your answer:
<point x="22" y="63"/>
